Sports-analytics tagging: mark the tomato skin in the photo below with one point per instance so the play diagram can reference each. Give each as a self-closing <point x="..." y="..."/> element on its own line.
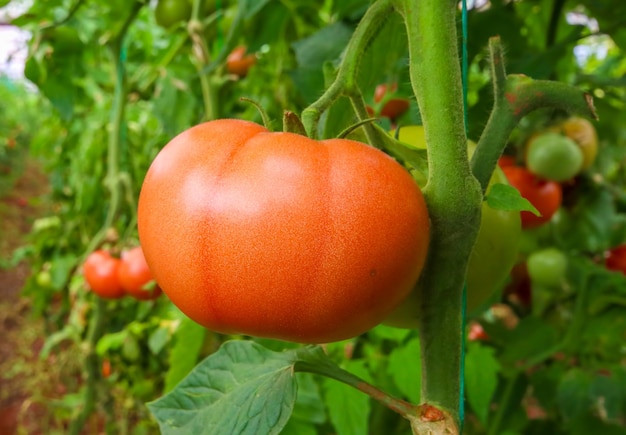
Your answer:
<point x="616" y="259"/>
<point x="238" y="62"/>
<point x="545" y="195"/>
<point x="505" y="161"/>
<point x="280" y="236"/>
<point x="134" y="275"/>
<point x="171" y="12"/>
<point x="101" y="273"/>
<point x="547" y="267"/>
<point x="392" y="108"/>
<point x="584" y="134"/>
<point x="554" y="157"/>
<point x="492" y="257"/>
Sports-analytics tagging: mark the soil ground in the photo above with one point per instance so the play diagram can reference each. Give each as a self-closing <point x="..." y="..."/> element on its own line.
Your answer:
<point x="21" y="335"/>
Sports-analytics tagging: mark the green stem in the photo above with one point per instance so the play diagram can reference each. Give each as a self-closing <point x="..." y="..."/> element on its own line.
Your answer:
<point x="92" y="366"/>
<point x="515" y="96"/>
<point x="345" y="82"/>
<point x="321" y="367"/>
<point x="201" y="60"/>
<point x="452" y="194"/>
<point x="505" y="402"/>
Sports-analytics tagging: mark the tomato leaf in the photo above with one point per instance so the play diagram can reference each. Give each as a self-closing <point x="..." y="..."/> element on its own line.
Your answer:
<point x="508" y="198"/>
<point x="243" y="388"/>
<point x="481" y="378"/>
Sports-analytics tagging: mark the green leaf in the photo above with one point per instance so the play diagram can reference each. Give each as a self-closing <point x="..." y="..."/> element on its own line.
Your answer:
<point x="158" y="339"/>
<point x="243" y="388"/>
<point x="532" y="337"/>
<point x="573" y="394"/>
<point x="188" y="340"/>
<point x="481" y="378"/>
<point x="348" y="408"/>
<point x="505" y="197"/>
<point x="405" y="369"/>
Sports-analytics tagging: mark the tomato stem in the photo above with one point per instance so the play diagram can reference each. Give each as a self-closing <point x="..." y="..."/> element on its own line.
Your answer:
<point x="345" y="83"/>
<point x="515" y="96"/>
<point x="453" y="197"/>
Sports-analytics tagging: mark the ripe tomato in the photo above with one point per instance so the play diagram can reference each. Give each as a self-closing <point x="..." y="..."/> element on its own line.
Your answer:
<point x="506" y="160"/>
<point x="616" y="259"/>
<point x="584" y="134"/>
<point x="238" y="62"/>
<point x="381" y="91"/>
<point x="492" y="258"/>
<point x="135" y="276"/>
<point x="278" y="235"/>
<point x="392" y="108"/>
<point x="171" y="12"/>
<point x="101" y="273"/>
<point x="554" y="157"/>
<point x="545" y="195"/>
<point x="547" y="267"/>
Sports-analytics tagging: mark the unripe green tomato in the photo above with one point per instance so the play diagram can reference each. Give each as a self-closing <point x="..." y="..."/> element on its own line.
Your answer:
<point x="554" y="157"/>
<point x="491" y="260"/>
<point x="171" y="12"/>
<point x="547" y="267"/>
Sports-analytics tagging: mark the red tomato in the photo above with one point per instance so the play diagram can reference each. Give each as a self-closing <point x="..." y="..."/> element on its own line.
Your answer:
<point x="395" y="108"/>
<point x="616" y="259"/>
<point x="238" y="62"/>
<point x="101" y="273"/>
<point x="381" y="91"/>
<point x="545" y="195"/>
<point x="135" y="276"/>
<point x="505" y="160"/>
<point x="281" y="236"/>
<point x="476" y="332"/>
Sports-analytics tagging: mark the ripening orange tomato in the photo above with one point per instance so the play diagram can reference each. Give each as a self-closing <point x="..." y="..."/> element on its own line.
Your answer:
<point x="278" y="235"/>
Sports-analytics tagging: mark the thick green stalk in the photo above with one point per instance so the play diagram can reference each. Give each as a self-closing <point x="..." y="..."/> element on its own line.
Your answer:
<point x="453" y="196"/>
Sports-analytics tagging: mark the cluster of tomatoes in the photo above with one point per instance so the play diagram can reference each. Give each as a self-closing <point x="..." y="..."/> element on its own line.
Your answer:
<point x="111" y="277"/>
<point x="551" y="158"/>
<point x="387" y="102"/>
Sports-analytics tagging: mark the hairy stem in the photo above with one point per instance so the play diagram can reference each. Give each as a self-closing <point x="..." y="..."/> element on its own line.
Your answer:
<point x="453" y="197"/>
<point x="345" y="82"/>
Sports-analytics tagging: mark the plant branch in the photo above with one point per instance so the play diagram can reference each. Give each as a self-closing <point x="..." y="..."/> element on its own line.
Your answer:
<point x="515" y="96"/>
<point x="345" y="81"/>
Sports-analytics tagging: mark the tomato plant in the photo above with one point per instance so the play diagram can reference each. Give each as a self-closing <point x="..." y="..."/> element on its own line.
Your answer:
<point x="239" y="62"/>
<point x="494" y="253"/>
<point x="616" y="259"/>
<point x="545" y="195"/>
<point x="547" y="267"/>
<point x="281" y="236"/>
<point x="554" y="157"/>
<point x="135" y="276"/>
<point x="101" y="273"/>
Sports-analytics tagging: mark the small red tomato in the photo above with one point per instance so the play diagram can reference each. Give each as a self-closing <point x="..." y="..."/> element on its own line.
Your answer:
<point x="101" y="273"/>
<point x="135" y="276"/>
<point x="616" y="259"/>
<point x="545" y="195"/>
<point x="476" y="332"/>
<point x="238" y="62"/>
<point x="395" y="108"/>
